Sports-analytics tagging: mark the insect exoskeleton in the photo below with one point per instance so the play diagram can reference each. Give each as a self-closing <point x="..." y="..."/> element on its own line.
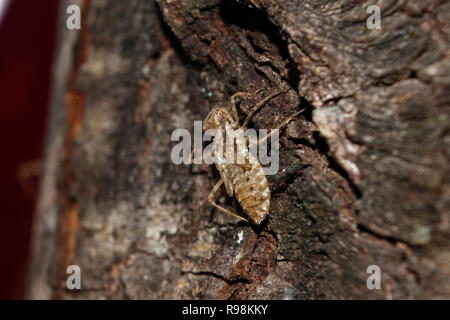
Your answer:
<point x="240" y="171"/>
<point x="252" y="189"/>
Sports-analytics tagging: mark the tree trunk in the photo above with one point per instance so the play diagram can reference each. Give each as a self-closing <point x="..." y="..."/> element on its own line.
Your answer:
<point x="364" y="171"/>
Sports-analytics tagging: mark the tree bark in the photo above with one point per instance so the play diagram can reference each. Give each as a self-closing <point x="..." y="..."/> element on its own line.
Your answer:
<point x="364" y="172"/>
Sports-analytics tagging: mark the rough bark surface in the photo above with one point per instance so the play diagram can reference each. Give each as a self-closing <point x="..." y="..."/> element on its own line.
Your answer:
<point x="364" y="173"/>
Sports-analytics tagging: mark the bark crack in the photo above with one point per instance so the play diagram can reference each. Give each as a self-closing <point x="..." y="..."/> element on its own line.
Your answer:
<point x="218" y="276"/>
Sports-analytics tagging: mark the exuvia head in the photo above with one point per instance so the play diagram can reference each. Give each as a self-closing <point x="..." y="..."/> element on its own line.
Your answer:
<point x="217" y="118"/>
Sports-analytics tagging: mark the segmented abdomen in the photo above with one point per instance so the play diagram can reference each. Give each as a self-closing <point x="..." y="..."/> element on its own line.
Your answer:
<point x="252" y="190"/>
